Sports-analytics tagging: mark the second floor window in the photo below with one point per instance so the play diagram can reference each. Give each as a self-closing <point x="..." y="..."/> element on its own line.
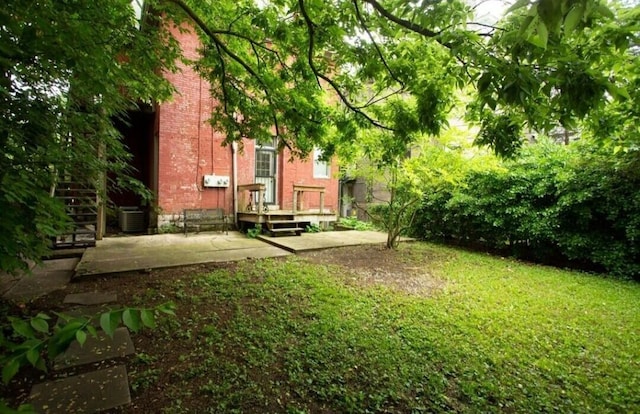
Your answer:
<point x="320" y="167"/>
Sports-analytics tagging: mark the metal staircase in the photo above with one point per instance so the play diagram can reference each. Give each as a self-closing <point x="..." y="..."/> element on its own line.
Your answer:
<point x="81" y="205"/>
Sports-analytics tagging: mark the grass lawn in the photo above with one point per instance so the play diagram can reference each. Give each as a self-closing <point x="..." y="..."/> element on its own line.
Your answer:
<point x="296" y="336"/>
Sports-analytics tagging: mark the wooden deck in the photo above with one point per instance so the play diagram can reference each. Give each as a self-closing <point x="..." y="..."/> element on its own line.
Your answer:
<point x="280" y="222"/>
<point x="283" y="221"/>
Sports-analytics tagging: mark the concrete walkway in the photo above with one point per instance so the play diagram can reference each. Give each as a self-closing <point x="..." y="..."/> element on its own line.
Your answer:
<point x="45" y="278"/>
<point x="121" y="254"/>
<point x="325" y="240"/>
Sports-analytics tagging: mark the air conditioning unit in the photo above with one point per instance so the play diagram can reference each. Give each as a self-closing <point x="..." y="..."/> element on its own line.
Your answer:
<point x="131" y="220"/>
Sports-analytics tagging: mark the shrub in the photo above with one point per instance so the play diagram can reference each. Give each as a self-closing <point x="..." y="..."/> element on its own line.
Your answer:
<point x="553" y="204"/>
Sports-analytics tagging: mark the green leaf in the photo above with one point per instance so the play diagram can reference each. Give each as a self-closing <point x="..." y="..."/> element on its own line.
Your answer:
<point x="148" y="318"/>
<point x="518" y="5"/>
<point x="109" y="321"/>
<point x="131" y="319"/>
<point x="33" y="355"/>
<point x="10" y="370"/>
<point x="617" y="92"/>
<point x="525" y="29"/>
<point x="43" y="316"/>
<point x="543" y="34"/>
<point x="484" y="82"/>
<point x="60" y="340"/>
<point x="81" y="337"/>
<point x="168" y="308"/>
<point x="604" y="11"/>
<point x="40" y="325"/>
<point x="573" y="18"/>
<point x="22" y="328"/>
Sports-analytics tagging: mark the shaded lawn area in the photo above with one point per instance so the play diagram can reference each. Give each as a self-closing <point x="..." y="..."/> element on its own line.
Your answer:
<point x="478" y="334"/>
<point x="298" y="335"/>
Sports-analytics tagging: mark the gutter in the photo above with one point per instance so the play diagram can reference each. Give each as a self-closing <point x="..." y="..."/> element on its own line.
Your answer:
<point x="234" y="172"/>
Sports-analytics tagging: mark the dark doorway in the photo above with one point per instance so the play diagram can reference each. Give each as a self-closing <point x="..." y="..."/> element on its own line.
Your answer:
<point x="138" y="130"/>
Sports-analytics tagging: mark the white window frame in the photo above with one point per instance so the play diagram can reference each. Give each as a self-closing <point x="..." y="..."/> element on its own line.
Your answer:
<point x="321" y="169"/>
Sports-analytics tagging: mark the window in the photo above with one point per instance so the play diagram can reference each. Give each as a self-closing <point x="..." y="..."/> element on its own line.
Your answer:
<point x="138" y="7"/>
<point x="320" y="167"/>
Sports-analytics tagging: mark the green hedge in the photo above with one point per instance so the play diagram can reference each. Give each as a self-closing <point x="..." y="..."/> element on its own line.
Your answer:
<point x="554" y="204"/>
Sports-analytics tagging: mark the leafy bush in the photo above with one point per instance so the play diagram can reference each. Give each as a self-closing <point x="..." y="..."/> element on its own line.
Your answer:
<point x="312" y="228"/>
<point x="552" y="205"/>
<point x="255" y="231"/>
<point x="355" y="224"/>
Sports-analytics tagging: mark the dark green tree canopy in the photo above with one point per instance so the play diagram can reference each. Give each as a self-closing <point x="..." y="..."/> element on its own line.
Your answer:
<point x="279" y="63"/>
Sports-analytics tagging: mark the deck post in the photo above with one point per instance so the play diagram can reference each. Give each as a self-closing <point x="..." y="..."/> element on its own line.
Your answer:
<point x="321" y="201"/>
<point x="295" y="200"/>
<point x="260" y="199"/>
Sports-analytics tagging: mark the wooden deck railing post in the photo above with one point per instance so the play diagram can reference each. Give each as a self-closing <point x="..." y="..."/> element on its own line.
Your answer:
<point x="298" y="194"/>
<point x="295" y="199"/>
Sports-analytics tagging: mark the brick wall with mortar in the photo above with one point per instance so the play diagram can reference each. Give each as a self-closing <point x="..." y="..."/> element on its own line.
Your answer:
<point x="189" y="148"/>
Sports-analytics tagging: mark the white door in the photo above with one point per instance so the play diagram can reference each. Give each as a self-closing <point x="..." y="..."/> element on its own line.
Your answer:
<point x="266" y="172"/>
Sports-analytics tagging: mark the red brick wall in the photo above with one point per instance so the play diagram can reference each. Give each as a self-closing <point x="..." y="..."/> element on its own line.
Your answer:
<point x="189" y="148"/>
<point x="301" y="172"/>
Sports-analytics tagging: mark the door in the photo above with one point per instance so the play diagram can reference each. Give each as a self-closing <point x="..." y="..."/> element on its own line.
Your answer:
<point x="266" y="171"/>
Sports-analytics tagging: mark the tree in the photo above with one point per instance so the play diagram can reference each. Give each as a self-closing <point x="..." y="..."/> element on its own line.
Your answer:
<point x="68" y="68"/>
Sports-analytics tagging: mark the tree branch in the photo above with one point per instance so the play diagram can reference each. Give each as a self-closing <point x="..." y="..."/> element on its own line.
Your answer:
<point x="318" y="74"/>
<point x="375" y="45"/>
<point x="221" y="46"/>
<point x="402" y="22"/>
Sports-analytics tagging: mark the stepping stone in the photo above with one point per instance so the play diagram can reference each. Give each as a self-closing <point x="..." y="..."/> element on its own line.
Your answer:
<point x="86" y="312"/>
<point x="45" y="278"/>
<point x="91" y="298"/>
<point x="87" y="393"/>
<point x="96" y="349"/>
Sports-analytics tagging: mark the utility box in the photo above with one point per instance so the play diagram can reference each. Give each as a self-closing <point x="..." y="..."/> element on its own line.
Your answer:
<point x="131" y="220"/>
<point x="216" y="181"/>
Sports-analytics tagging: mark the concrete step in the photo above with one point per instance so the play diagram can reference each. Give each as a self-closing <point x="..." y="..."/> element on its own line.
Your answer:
<point x="50" y="276"/>
<point x="285" y="230"/>
<point x="94" y="311"/>
<point x="282" y="221"/>
<point x="87" y="393"/>
<point x="96" y="349"/>
<point x="91" y="298"/>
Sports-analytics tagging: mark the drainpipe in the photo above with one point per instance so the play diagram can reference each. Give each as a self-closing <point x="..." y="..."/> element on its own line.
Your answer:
<point x="234" y="172"/>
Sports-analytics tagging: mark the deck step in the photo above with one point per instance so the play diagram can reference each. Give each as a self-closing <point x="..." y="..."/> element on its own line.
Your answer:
<point x="285" y="230"/>
<point x="283" y="221"/>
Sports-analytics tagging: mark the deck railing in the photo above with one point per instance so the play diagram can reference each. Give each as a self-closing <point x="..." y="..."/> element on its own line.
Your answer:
<point x="252" y="197"/>
<point x="298" y="196"/>
<point x="255" y="190"/>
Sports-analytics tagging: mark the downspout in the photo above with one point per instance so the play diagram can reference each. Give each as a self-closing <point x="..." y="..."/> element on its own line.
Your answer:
<point x="234" y="172"/>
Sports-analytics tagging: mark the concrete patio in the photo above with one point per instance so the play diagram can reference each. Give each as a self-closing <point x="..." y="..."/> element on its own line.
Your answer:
<point x="325" y="240"/>
<point x="121" y="254"/>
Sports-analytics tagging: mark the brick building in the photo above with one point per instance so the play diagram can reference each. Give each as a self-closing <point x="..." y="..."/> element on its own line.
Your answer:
<point x="180" y="157"/>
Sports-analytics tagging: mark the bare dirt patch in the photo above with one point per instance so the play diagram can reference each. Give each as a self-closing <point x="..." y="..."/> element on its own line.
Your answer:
<point x="371" y="265"/>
